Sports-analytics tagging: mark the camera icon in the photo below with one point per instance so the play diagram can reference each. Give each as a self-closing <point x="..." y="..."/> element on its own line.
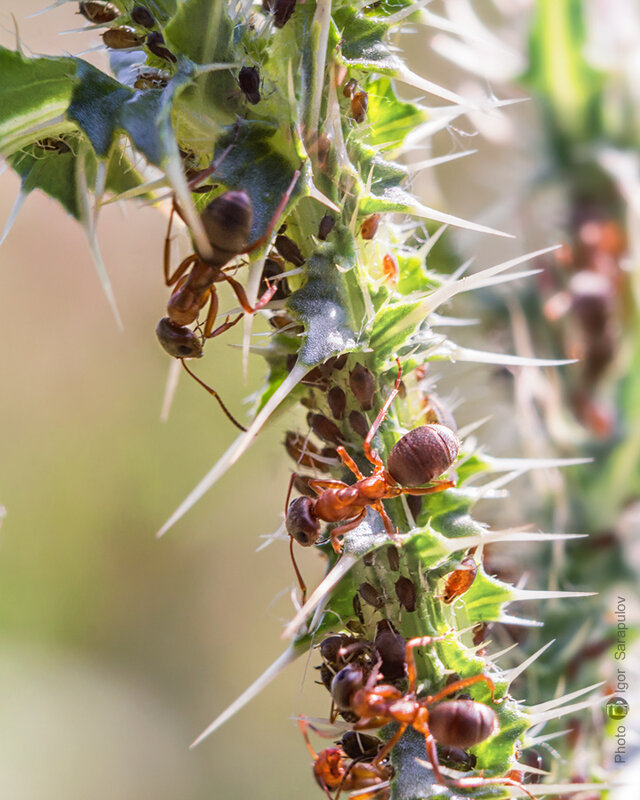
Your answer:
<point x="617" y="708"/>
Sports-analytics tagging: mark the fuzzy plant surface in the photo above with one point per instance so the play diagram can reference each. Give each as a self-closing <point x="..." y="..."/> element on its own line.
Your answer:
<point x="296" y="109"/>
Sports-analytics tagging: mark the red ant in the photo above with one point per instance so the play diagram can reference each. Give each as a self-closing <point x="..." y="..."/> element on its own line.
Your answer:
<point x="417" y="458"/>
<point x="452" y="723"/>
<point x="227" y="222"/>
<point x="332" y="772"/>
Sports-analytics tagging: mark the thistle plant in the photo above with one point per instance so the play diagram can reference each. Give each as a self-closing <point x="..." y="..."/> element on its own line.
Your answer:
<point x="294" y="111"/>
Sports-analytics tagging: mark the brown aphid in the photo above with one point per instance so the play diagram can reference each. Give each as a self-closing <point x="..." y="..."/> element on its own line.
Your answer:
<point x="359" y="105"/>
<point x="462" y="723"/>
<point x="457" y="758"/>
<point x="393" y="557"/>
<point x="301" y="485"/>
<point x="349" y="88"/>
<point x="149" y="79"/>
<point x="358" y="423"/>
<point x="325" y="428"/>
<point x="281" y="10"/>
<point x="460" y="580"/>
<point x="141" y="16"/>
<point x="371" y="595"/>
<point x="363" y="386"/>
<point x="52" y="145"/>
<point x="289" y="250"/>
<point x="369" y="559"/>
<point x="98" y="13"/>
<point x="360" y="745"/>
<point x="155" y="43"/>
<point x="369" y="227"/>
<point x="390" y="269"/>
<point x="337" y="400"/>
<point x="340" y="362"/>
<point x="303" y="452"/>
<point x="249" y="82"/>
<point x="271" y="273"/>
<point x="122" y="38"/>
<point x="422" y="454"/>
<point x="406" y="593"/>
<point x="391" y="648"/>
<point x="357" y="608"/>
<point x="325" y="227"/>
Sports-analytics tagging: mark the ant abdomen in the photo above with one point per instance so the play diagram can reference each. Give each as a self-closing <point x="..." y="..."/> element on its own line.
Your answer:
<point x="422" y="455"/>
<point x="227" y="221"/>
<point x="177" y="340"/>
<point x="301" y="524"/>
<point x="462" y="723"/>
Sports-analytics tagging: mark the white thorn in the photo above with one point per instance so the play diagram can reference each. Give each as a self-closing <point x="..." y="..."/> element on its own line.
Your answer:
<point x="511" y="674"/>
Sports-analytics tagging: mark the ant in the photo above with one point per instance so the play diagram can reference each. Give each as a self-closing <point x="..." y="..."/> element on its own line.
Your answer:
<point x="417" y="458"/>
<point x="332" y="772"/>
<point x="227" y="221"/>
<point x="452" y="723"/>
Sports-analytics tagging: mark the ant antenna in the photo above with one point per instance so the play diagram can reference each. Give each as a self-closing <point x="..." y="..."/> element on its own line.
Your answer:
<point x="214" y="394"/>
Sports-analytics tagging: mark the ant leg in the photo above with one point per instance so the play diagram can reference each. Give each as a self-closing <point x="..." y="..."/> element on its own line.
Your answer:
<point x="412" y="672"/>
<point x="455" y="687"/>
<point x="209" y="333"/>
<point x="349" y="462"/>
<point x="336" y="533"/>
<point x="242" y="295"/>
<point x="272" y="224"/>
<point x="388" y="525"/>
<point x="301" y="583"/>
<point x="180" y="270"/>
<point x="388" y="747"/>
<point x="438" y="486"/>
<point x="214" y="394"/>
<point x="370" y="454"/>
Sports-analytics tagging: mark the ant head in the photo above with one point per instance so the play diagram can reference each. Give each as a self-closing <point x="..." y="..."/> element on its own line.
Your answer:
<point x="346" y="683"/>
<point x="177" y="340"/>
<point x="462" y="723"/>
<point x="422" y="455"/>
<point x="227" y="220"/>
<point x="300" y="522"/>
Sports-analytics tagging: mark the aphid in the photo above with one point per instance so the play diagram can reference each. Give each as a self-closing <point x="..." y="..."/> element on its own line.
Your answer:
<point x="369" y="227"/>
<point x="358" y="423"/>
<point x="289" y="250"/>
<point x="393" y="557"/>
<point x="150" y="79"/>
<point x="459" y="581"/>
<point x="249" y="82"/>
<point x="390" y="269"/>
<point x="141" y="16"/>
<point x="360" y="745"/>
<point x="324" y="428"/>
<point x="98" y="13"/>
<point x="452" y="723"/>
<point x="363" y="386"/>
<point x="52" y="145"/>
<point x="371" y="595"/>
<point x="419" y="457"/>
<point x="281" y="10"/>
<point x="456" y="758"/>
<point x="122" y="38"/>
<point x="325" y="227"/>
<point x="337" y="400"/>
<point x="155" y="43"/>
<point x="333" y="772"/>
<point x="350" y="88"/>
<point x="304" y="452"/>
<point x="415" y="506"/>
<point x="436" y="411"/>
<point x="271" y="273"/>
<point x="359" y="105"/>
<point x="406" y="593"/>
<point x="391" y="648"/>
